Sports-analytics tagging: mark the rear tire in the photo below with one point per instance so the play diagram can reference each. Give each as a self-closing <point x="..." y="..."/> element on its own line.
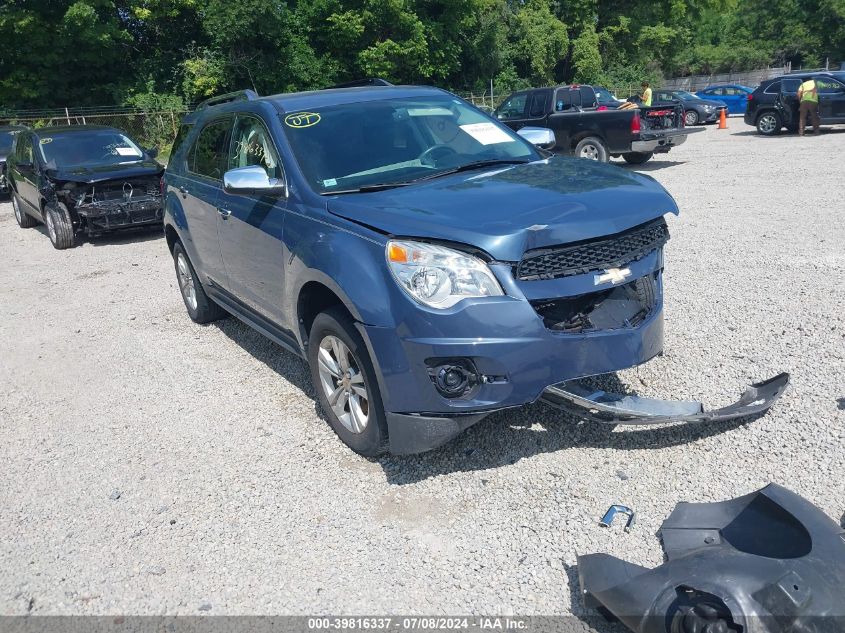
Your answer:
<point x="59" y="226"/>
<point x="637" y="158"/>
<point x="769" y="123"/>
<point x="200" y="308"/>
<point x="342" y="371"/>
<point x="24" y="220"/>
<point x="592" y="148"/>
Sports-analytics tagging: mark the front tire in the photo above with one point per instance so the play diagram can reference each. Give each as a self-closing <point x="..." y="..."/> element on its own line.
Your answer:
<point x="346" y="384"/>
<point x="59" y="226"/>
<point x="200" y="308"/>
<point x="637" y="158"/>
<point x="769" y="123"/>
<point x="690" y="118"/>
<point x="592" y="148"/>
<point x="24" y="220"/>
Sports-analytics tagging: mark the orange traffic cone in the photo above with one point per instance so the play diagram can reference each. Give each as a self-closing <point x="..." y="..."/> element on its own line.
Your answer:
<point x="723" y="120"/>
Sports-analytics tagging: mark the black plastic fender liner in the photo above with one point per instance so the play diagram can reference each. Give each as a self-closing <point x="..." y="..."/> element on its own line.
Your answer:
<point x="611" y="408"/>
<point x="767" y="562"/>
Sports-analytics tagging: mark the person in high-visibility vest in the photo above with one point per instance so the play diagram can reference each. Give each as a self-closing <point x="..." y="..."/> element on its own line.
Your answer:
<point x="646" y="96"/>
<point x="808" y="96"/>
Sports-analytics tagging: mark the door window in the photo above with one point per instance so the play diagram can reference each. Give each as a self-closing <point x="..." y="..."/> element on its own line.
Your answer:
<point x="210" y="149"/>
<point x="734" y="92"/>
<point x="538" y="104"/>
<point x="829" y="86"/>
<point x="23" y="149"/>
<point x="513" y="107"/>
<point x="588" y="97"/>
<point x="790" y="86"/>
<point x="773" y="88"/>
<point x="252" y="145"/>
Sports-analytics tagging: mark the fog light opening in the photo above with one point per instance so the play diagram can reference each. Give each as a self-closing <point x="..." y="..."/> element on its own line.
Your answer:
<point x="453" y="377"/>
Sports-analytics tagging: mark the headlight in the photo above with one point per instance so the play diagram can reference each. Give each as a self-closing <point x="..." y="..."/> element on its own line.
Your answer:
<point x="439" y="277"/>
<point x="709" y="108"/>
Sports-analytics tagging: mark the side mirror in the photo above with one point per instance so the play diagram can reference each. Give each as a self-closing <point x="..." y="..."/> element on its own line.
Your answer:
<point x="252" y="180"/>
<point x="542" y="137"/>
<point x="152" y="152"/>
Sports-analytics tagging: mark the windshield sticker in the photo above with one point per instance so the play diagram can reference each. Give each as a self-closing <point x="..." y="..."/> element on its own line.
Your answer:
<point x="486" y="133"/>
<point x="44" y="141"/>
<point x="127" y="151"/>
<point x="330" y="182"/>
<point x="302" y="119"/>
<point x="429" y="112"/>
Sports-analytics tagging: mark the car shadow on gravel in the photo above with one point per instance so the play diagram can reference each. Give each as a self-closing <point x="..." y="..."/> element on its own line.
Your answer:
<point x="506" y="437"/>
<point x="823" y="132"/>
<point x="126" y="236"/>
<point x="501" y="439"/>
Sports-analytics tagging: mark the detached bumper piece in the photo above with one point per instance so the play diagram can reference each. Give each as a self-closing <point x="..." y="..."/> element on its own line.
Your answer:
<point x="612" y="408"/>
<point x="767" y="562"/>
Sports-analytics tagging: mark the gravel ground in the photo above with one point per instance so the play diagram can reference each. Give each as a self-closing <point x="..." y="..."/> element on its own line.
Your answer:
<point x="150" y="465"/>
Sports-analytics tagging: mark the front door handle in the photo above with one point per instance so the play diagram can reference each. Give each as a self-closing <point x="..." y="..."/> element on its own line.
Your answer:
<point x="224" y="213"/>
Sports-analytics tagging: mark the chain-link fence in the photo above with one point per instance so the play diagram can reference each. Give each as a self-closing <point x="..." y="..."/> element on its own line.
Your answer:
<point x="149" y="129"/>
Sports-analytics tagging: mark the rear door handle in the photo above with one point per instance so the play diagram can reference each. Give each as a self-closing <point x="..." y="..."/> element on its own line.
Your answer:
<point x="224" y="213"/>
<point x="184" y="190"/>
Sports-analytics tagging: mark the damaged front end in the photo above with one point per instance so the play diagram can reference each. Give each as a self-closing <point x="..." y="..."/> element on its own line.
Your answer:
<point x="767" y="562"/>
<point x="114" y="204"/>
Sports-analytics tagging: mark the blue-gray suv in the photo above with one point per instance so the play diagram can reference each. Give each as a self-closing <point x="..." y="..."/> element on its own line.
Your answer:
<point x="430" y="264"/>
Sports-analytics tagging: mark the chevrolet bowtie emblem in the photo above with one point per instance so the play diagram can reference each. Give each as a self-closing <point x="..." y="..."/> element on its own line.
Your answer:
<point x="613" y="276"/>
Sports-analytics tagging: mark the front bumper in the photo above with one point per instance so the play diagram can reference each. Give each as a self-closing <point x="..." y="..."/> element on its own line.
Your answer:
<point x="110" y="216"/>
<point x="515" y="353"/>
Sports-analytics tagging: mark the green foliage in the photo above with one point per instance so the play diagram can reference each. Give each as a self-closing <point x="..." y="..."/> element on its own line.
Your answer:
<point x="162" y="54"/>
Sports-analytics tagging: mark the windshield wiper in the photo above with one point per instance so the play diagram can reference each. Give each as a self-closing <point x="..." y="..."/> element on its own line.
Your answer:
<point x="368" y="188"/>
<point x="474" y="165"/>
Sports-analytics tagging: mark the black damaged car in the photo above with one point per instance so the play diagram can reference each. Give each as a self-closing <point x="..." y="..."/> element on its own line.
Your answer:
<point x="7" y="142"/>
<point x="83" y="179"/>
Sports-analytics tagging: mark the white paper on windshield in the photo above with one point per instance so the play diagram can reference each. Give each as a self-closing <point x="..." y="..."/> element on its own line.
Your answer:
<point x="127" y="151"/>
<point x="486" y="133"/>
<point x="434" y="111"/>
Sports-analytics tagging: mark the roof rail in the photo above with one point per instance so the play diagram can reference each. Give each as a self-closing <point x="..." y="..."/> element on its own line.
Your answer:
<point x="357" y="83"/>
<point x="240" y="95"/>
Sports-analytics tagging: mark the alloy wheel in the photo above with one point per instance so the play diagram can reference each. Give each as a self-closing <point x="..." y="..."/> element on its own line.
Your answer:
<point x="691" y="118"/>
<point x="767" y="123"/>
<point x="343" y="384"/>
<point x="590" y="152"/>
<point x="186" y="281"/>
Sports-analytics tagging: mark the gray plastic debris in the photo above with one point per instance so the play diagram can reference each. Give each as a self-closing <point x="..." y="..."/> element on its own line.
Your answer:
<point x="767" y="562"/>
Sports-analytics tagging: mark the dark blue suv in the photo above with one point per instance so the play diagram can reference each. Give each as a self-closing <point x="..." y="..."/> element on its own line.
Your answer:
<point x="430" y="264"/>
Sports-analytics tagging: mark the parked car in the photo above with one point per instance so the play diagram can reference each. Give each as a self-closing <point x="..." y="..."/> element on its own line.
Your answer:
<point x="696" y="109"/>
<point x="430" y="264"/>
<point x="83" y="179"/>
<point x="7" y="141"/>
<point x="606" y="98"/>
<point x="774" y="104"/>
<point x="735" y="96"/>
<point x="580" y="129"/>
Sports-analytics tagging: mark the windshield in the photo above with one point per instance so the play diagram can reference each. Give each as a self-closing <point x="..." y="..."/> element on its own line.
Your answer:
<point x="87" y="149"/>
<point x="396" y="141"/>
<point x="6" y="139"/>
<point x="683" y="95"/>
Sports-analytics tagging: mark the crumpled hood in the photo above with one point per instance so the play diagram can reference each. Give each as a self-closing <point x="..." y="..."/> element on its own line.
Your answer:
<point x="91" y="175"/>
<point x="508" y="210"/>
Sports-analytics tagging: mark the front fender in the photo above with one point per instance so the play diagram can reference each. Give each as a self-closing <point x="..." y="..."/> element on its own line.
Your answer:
<point x="350" y="263"/>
